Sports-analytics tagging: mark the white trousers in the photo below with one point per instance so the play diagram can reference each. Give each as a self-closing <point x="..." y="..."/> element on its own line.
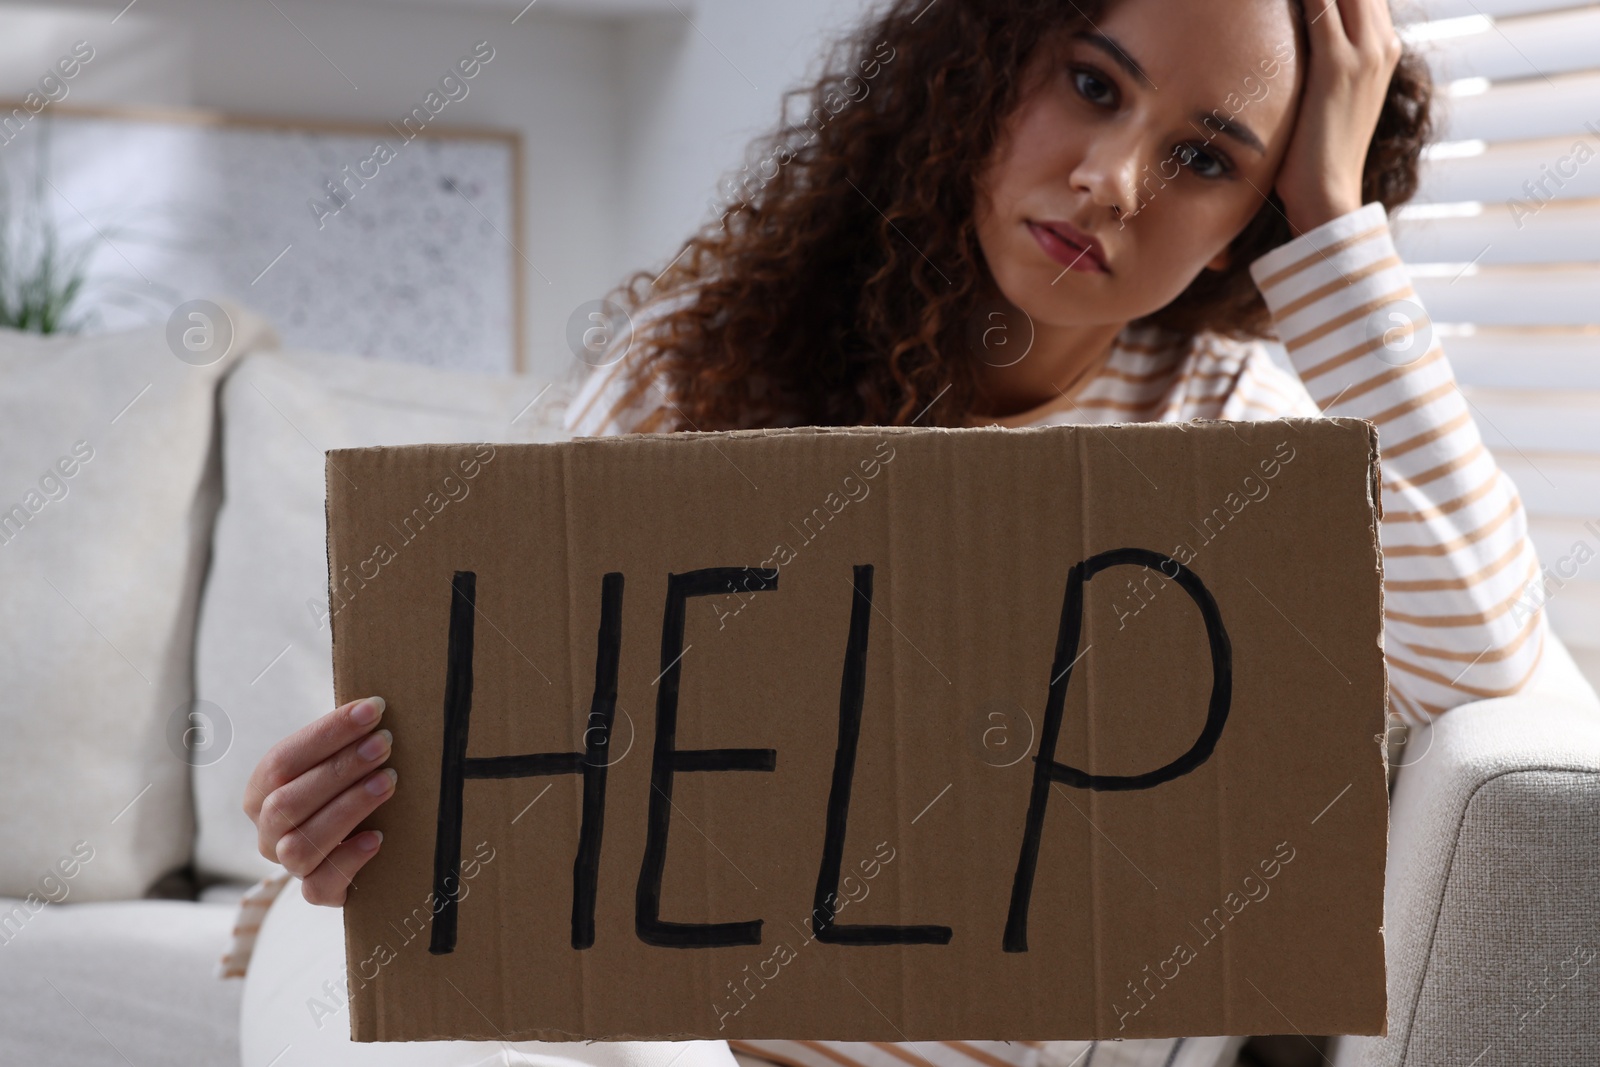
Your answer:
<point x="294" y="1015"/>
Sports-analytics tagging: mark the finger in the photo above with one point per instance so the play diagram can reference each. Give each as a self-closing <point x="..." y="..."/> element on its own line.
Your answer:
<point x="329" y="884"/>
<point x="1379" y="21"/>
<point x="304" y="847"/>
<point x="309" y="746"/>
<point x="1356" y="16"/>
<point x="290" y="805"/>
<point x="1385" y="39"/>
<point x="1370" y="33"/>
<point x="1325" y="23"/>
<point x="1367" y="23"/>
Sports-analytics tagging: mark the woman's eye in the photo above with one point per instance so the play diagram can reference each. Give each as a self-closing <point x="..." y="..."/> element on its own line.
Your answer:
<point x="1092" y="87"/>
<point x="1200" y="161"/>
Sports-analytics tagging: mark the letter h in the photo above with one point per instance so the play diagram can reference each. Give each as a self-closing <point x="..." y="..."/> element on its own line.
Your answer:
<point x="456" y="767"/>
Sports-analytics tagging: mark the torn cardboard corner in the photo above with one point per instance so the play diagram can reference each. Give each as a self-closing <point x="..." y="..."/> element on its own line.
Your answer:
<point x="1053" y="733"/>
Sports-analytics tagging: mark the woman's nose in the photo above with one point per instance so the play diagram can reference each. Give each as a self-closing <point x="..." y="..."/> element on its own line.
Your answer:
<point x="1109" y="171"/>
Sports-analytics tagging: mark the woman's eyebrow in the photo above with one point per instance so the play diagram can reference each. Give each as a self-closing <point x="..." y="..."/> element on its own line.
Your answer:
<point x="1114" y="50"/>
<point x="1226" y="127"/>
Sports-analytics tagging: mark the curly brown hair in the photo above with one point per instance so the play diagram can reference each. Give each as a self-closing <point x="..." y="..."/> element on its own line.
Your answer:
<point x="837" y="284"/>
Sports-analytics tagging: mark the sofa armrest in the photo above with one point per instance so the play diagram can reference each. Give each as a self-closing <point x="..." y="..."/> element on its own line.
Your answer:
<point x="1492" y="897"/>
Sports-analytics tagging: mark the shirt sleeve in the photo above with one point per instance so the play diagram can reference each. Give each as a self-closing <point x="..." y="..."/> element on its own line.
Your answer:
<point x="1462" y="619"/>
<point x="615" y="397"/>
<point x="253" y="908"/>
<point x="597" y="409"/>
<point x="614" y="400"/>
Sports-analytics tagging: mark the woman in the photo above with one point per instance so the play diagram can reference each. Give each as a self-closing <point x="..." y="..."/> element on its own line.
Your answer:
<point x="1023" y="212"/>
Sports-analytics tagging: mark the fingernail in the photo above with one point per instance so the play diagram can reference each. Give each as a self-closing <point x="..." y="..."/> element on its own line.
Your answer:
<point x="370" y="840"/>
<point x="367" y="712"/>
<point x="383" y="781"/>
<point x="376" y="745"/>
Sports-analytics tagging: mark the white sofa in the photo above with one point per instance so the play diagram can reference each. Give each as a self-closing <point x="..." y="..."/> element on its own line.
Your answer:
<point x="1493" y="897"/>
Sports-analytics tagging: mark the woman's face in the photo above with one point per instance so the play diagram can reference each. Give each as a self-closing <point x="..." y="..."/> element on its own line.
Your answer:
<point x="1178" y="114"/>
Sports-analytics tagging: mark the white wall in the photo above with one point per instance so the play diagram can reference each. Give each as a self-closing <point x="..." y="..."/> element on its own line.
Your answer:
<point x="552" y="80"/>
<point x="627" y="123"/>
<point x="136" y="59"/>
<point x="695" y="95"/>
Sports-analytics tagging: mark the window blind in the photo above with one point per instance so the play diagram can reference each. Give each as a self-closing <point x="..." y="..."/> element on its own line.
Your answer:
<point x="1503" y="246"/>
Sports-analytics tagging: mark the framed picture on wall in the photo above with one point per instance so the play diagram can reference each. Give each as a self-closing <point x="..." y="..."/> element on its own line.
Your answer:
<point x="394" y="241"/>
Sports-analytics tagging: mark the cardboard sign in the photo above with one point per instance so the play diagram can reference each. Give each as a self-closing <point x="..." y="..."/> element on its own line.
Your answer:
<point x="870" y="734"/>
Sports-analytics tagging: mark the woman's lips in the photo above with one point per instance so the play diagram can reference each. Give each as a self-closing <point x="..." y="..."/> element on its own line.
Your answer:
<point x="1069" y="248"/>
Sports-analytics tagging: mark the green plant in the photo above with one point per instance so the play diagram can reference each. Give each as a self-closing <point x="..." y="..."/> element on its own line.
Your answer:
<point x="43" y="272"/>
<point x="41" y="276"/>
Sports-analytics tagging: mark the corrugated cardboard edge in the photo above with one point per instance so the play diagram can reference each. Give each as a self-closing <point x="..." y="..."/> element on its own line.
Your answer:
<point x="782" y="431"/>
<point x="354" y="1003"/>
<point x="1375" y="499"/>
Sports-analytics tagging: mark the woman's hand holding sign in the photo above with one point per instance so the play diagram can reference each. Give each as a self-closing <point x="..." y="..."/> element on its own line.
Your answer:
<point x="313" y="788"/>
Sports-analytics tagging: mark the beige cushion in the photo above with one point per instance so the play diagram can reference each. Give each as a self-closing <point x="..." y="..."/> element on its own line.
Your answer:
<point x="105" y="510"/>
<point x="263" y="652"/>
<point x="141" y="970"/>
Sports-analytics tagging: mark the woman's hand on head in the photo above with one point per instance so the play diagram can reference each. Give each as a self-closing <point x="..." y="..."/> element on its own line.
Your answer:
<point x="313" y="788"/>
<point x="1354" y="52"/>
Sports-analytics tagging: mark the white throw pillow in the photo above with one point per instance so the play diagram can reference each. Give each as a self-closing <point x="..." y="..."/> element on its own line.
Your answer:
<point x="107" y="491"/>
<point x="264" y="660"/>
